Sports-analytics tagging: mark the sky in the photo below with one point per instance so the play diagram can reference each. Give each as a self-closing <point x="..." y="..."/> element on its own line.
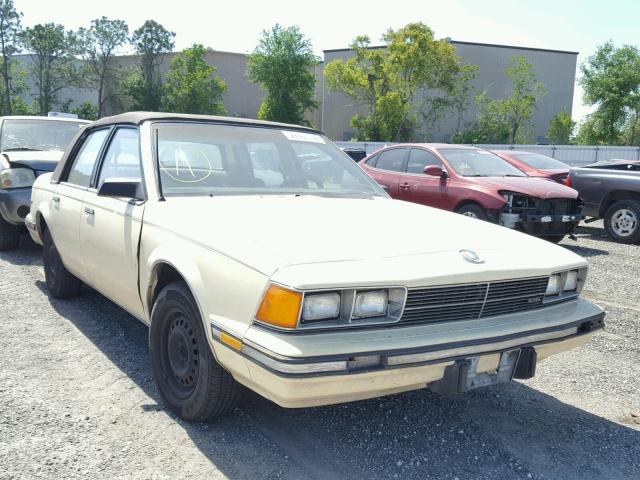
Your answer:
<point x="236" y="25"/>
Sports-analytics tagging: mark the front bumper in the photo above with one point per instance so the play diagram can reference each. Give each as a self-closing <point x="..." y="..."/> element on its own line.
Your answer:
<point x="542" y="224"/>
<point x="15" y="204"/>
<point x="301" y="370"/>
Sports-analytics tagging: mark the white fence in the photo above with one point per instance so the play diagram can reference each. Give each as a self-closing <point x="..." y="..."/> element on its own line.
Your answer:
<point x="570" y="154"/>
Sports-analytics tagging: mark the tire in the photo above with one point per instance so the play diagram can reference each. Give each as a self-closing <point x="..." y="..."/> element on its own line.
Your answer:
<point x="60" y="282"/>
<point x="190" y="381"/>
<point x="9" y="235"/>
<point x="553" y="238"/>
<point x="474" y="211"/>
<point x="622" y="221"/>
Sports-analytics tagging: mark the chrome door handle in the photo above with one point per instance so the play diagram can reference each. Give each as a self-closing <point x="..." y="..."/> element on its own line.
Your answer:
<point x="405" y="186"/>
<point x="88" y="211"/>
<point x="55" y="199"/>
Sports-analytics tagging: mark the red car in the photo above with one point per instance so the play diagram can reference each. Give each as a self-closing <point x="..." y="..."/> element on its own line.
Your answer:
<point x="476" y="183"/>
<point x="536" y="164"/>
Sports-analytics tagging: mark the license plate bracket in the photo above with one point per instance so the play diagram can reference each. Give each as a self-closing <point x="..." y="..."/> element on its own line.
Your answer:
<point x="470" y="378"/>
<point x="463" y="376"/>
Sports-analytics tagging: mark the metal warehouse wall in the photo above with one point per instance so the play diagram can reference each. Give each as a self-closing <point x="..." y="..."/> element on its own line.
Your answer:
<point x="555" y="69"/>
<point x="242" y="98"/>
<point x="574" y="155"/>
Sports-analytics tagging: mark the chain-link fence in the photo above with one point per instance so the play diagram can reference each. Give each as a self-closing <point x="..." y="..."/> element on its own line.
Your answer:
<point x="570" y="154"/>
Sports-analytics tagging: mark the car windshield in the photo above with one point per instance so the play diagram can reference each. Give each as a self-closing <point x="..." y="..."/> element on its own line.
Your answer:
<point x="542" y="162"/>
<point x="479" y="163"/>
<point x="214" y="159"/>
<point x="34" y="134"/>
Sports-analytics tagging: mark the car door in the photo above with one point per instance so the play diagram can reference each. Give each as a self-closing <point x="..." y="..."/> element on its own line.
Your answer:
<point x="387" y="169"/>
<point x="68" y="197"/>
<point x="415" y="186"/>
<point x="110" y="227"/>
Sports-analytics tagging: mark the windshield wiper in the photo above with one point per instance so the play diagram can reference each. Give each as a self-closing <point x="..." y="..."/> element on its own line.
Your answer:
<point x="512" y="175"/>
<point x="22" y="149"/>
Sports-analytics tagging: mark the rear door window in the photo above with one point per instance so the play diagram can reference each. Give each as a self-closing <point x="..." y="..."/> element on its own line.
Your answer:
<point x="86" y="158"/>
<point x="392" y="160"/>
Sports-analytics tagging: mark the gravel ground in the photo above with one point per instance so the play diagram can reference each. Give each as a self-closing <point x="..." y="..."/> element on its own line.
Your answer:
<point x="77" y="401"/>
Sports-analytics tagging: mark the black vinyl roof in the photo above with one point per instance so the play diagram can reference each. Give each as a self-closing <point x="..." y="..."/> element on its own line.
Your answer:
<point x="138" y="118"/>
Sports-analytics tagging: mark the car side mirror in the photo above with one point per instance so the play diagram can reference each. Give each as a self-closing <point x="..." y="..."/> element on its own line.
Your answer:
<point x="435" y="171"/>
<point x="122" y="188"/>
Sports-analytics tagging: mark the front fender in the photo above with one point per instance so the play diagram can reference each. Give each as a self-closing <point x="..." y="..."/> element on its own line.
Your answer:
<point x="226" y="291"/>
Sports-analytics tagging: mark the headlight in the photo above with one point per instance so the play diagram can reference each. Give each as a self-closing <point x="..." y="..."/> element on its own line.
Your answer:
<point x="371" y="304"/>
<point x="16" y="178"/>
<point x="553" y="287"/>
<point x="321" y="306"/>
<point x="324" y="309"/>
<point x="571" y="282"/>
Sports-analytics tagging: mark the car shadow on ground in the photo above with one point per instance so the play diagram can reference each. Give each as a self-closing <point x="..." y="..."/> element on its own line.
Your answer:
<point x="28" y="253"/>
<point x="585" y="251"/>
<point x="498" y="432"/>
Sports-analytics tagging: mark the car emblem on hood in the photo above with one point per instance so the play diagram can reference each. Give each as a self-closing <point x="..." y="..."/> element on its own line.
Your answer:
<point x="471" y="256"/>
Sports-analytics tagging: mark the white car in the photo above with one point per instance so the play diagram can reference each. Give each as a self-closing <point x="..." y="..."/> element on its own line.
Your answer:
<point x="260" y="283"/>
<point x="29" y="146"/>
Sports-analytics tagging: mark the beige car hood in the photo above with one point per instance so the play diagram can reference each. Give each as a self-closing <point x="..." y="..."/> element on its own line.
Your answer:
<point x="352" y="240"/>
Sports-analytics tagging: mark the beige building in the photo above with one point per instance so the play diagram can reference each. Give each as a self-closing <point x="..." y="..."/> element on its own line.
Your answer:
<point x="556" y="69"/>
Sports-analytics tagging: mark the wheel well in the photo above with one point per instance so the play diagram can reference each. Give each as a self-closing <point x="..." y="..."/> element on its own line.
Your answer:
<point x="616" y="196"/>
<point x="41" y="224"/>
<point x="464" y="203"/>
<point x="163" y="274"/>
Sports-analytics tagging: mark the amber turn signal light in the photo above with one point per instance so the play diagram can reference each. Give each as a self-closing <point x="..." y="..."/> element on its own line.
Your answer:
<point x="280" y="307"/>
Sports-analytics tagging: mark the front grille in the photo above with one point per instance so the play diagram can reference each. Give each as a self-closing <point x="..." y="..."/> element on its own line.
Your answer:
<point x="472" y="301"/>
<point x="557" y="206"/>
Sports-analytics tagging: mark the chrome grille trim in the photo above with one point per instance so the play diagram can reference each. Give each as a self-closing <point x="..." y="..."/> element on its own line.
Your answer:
<point x="473" y="300"/>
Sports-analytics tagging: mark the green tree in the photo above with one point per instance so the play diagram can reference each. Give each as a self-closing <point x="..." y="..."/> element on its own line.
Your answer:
<point x="561" y="128"/>
<point x="191" y="86"/>
<point x="86" y="111"/>
<point x="611" y="83"/>
<point x="527" y="92"/>
<point x="507" y="120"/>
<point x="17" y="84"/>
<point x="490" y="124"/>
<point x="100" y="43"/>
<point x="10" y="29"/>
<point x="151" y="42"/>
<point x="282" y="64"/>
<point x="386" y="80"/>
<point x="52" y="50"/>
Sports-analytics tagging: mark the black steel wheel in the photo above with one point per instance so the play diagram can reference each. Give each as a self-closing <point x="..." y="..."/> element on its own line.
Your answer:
<point x="190" y="381"/>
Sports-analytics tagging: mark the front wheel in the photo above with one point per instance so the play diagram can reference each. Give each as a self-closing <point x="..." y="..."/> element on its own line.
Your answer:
<point x="60" y="282"/>
<point x="9" y="235"/>
<point x="622" y="221"/>
<point x="191" y="383"/>
<point x="474" y="211"/>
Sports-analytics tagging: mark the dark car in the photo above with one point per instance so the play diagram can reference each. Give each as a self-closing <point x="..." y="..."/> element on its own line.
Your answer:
<point x="356" y="154"/>
<point x="611" y="191"/>
<point x="536" y="164"/>
<point x="29" y="146"/>
<point x="476" y="183"/>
